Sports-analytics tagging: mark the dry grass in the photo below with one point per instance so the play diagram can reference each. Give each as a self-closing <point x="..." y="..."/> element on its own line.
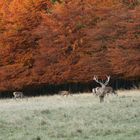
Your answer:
<point x="77" y="117"/>
<point x="133" y="92"/>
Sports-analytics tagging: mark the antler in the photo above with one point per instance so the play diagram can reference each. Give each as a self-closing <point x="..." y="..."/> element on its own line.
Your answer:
<point x="96" y="79"/>
<point x="107" y="81"/>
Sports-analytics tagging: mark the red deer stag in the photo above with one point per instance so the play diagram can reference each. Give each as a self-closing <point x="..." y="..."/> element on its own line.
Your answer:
<point x="104" y="89"/>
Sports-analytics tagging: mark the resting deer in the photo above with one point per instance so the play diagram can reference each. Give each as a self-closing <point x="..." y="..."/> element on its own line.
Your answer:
<point x="103" y="90"/>
<point x="65" y="93"/>
<point x="18" y="94"/>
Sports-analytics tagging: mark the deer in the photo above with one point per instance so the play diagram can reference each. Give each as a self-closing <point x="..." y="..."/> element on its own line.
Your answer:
<point x="104" y="89"/>
<point x="18" y="94"/>
<point x="65" y="93"/>
<point x="108" y="89"/>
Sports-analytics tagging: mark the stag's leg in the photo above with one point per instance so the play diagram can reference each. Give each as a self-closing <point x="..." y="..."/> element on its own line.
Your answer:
<point x="16" y="99"/>
<point x="101" y="98"/>
<point x="96" y="94"/>
<point x="22" y="96"/>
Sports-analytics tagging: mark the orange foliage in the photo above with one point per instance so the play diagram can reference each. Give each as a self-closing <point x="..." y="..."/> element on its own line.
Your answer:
<point x="70" y="41"/>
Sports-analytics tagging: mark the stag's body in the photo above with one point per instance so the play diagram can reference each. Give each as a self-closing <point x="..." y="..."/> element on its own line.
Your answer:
<point x="108" y="90"/>
<point x="65" y="93"/>
<point x="103" y="90"/>
<point x="18" y="94"/>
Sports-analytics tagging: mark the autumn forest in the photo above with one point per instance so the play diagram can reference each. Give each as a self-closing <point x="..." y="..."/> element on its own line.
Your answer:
<point x="51" y="42"/>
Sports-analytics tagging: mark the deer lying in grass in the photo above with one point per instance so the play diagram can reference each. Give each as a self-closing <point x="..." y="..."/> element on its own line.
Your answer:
<point x="104" y="89"/>
<point x="18" y="94"/>
<point x="65" y="93"/>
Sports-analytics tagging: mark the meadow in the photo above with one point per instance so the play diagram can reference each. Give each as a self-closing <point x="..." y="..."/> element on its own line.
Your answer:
<point x="77" y="117"/>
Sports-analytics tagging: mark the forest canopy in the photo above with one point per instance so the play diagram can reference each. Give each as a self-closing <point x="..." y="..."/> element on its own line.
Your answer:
<point x="58" y="41"/>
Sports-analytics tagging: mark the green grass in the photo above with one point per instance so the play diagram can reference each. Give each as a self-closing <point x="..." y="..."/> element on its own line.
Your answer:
<point x="78" y="117"/>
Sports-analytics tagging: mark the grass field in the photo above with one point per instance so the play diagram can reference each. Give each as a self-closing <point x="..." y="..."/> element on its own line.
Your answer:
<point x="78" y="117"/>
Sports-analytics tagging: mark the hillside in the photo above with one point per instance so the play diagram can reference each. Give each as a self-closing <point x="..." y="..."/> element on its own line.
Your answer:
<point x="67" y="41"/>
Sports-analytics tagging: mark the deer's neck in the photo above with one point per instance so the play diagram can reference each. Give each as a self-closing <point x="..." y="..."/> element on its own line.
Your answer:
<point x="103" y="86"/>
